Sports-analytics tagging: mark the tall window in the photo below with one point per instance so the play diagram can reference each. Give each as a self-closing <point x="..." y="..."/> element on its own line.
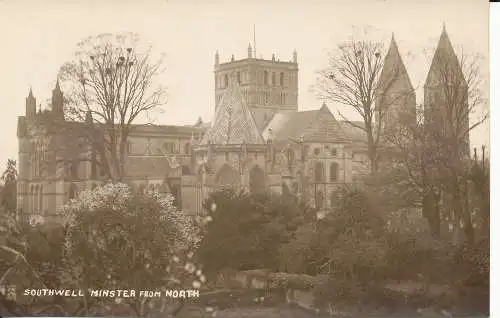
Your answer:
<point x="226" y="81"/>
<point x="238" y="76"/>
<point x="257" y="180"/>
<point x="319" y="200"/>
<point x="273" y="79"/>
<point x="228" y="176"/>
<point x="282" y="79"/>
<point x="266" y="78"/>
<point x="32" y="199"/>
<point x="334" y="171"/>
<point x="40" y="198"/>
<point x="74" y="169"/>
<point x="319" y="172"/>
<point x="72" y="191"/>
<point x="290" y="156"/>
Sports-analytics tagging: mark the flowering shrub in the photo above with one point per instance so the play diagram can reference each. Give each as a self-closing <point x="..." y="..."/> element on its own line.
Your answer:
<point x="116" y="239"/>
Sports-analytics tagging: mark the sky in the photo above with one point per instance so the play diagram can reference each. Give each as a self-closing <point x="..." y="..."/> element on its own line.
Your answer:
<point x="39" y="36"/>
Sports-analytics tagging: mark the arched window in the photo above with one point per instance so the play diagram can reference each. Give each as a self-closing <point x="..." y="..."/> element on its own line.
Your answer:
<point x="238" y="76"/>
<point x="226" y="81"/>
<point x="282" y="79"/>
<point x="273" y="79"/>
<point x="319" y="172"/>
<point x="187" y="148"/>
<point x="257" y="182"/>
<point x="266" y="78"/>
<point x="334" y="171"/>
<point x="228" y="176"/>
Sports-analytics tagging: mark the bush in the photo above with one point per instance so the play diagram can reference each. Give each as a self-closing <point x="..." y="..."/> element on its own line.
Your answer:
<point x="115" y="238"/>
<point x="293" y="281"/>
<point x="247" y="230"/>
<point x="337" y="291"/>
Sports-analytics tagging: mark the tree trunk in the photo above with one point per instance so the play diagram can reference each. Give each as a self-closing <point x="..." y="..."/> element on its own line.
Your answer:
<point x="432" y="213"/>
<point x="457" y="212"/>
<point x="468" y="228"/>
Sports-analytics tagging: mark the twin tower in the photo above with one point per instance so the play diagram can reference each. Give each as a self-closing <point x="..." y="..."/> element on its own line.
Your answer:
<point x="271" y="86"/>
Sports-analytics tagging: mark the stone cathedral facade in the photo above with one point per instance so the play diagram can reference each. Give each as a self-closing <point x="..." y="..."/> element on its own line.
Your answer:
<point x="258" y="139"/>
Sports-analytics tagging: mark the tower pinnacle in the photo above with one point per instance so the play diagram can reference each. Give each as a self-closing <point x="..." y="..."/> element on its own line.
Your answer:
<point x="216" y="62"/>
<point x="30" y="104"/>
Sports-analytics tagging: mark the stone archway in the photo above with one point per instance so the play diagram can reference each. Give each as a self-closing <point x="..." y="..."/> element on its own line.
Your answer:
<point x="257" y="180"/>
<point x="227" y="175"/>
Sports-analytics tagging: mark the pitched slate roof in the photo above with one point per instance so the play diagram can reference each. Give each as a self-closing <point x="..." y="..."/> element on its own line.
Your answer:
<point x="314" y="125"/>
<point x="354" y="133"/>
<point x="394" y="68"/>
<point x="234" y="122"/>
<point x="444" y="54"/>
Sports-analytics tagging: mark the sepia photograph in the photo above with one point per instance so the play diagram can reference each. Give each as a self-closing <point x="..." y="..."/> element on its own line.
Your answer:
<point x="258" y="159"/>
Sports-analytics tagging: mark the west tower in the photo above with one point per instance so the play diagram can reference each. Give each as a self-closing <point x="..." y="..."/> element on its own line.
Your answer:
<point x="446" y="95"/>
<point x="268" y="86"/>
<point x="397" y="98"/>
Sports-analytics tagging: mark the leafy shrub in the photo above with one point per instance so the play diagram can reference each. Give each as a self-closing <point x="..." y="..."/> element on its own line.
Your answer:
<point x="115" y="238"/>
<point x="337" y="291"/>
<point x="247" y="230"/>
<point x="293" y="281"/>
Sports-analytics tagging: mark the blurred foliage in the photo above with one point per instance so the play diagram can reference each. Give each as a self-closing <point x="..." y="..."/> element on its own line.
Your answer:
<point x="247" y="230"/>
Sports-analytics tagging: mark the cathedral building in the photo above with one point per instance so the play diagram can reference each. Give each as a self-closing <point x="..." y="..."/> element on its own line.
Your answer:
<point x="258" y="140"/>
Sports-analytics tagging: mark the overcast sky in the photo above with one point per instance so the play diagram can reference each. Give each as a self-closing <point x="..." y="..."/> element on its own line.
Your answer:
<point x="38" y="36"/>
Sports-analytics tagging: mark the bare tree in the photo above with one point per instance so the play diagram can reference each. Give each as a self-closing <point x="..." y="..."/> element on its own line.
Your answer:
<point x="358" y="77"/>
<point x="456" y="107"/>
<point x="109" y="86"/>
<point x="435" y="153"/>
<point x="413" y="175"/>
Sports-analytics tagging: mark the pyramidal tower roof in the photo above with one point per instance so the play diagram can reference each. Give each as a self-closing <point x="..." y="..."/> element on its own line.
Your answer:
<point x="233" y="123"/>
<point x="394" y="67"/>
<point x="444" y="56"/>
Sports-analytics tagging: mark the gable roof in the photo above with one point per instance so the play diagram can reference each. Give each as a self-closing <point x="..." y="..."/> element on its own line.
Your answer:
<point x="313" y="125"/>
<point x="234" y="122"/>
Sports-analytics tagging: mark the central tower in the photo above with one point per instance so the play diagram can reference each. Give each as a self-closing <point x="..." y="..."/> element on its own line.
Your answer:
<point x="268" y="86"/>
